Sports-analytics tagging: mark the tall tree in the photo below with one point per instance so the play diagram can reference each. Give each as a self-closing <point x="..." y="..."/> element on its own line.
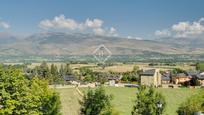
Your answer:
<point x="61" y="70"/>
<point x="67" y="69"/>
<point x="54" y="73"/>
<point x="13" y="88"/>
<point x="48" y="100"/>
<point x="20" y="96"/>
<point x="43" y="70"/>
<point x="147" y="102"/>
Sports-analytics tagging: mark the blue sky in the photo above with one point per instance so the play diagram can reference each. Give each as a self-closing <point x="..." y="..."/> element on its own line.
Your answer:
<point x="136" y="18"/>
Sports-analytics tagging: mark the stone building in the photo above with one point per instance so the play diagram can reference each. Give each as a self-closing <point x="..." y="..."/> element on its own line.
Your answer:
<point x="151" y="77"/>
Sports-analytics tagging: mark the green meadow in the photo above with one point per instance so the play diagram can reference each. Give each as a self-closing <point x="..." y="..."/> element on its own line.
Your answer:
<point x="123" y="99"/>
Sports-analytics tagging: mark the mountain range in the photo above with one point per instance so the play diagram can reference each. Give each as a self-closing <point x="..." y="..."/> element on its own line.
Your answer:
<point x="59" y="43"/>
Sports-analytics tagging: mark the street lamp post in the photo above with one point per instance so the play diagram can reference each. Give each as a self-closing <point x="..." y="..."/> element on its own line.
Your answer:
<point x="159" y="107"/>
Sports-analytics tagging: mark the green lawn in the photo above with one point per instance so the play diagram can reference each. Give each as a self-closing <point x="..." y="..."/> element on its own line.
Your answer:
<point x="70" y="101"/>
<point x="124" y="99"/>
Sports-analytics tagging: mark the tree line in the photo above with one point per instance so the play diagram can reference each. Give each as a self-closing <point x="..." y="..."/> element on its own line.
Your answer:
<point x="53" y="74"/>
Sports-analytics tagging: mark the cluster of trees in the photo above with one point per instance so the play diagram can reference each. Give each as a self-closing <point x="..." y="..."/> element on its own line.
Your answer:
<point x="199" y="66"/>
<point x="88" y="75"/>
<point x="178" y="70"/>
<point x="131" y="76"/>
<point x="53" y="74"/>
<point x="22" y="96"/>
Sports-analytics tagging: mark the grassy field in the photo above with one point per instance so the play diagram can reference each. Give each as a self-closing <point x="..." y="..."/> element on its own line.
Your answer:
<point x="70" y="101"/>
<point x="124" y="99"/>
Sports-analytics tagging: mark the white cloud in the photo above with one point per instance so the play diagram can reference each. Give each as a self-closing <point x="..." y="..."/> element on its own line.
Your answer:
<point x="163" y="33"/>
<point x="181" y="26"/>
<point x="201" y="20"/>
<point x="99" y="31"/>
<point x="113" y="30"/>
<point x="95" y="23"/>
<point x="183" y="29"/>
<point x="4" y="25"/>
<point x="136" y="38"/>
<point x="187" y="29"/>
<point x="61" y="22"/>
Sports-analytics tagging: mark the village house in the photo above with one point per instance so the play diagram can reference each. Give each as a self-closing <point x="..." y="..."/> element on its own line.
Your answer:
<point x="181" y="78"/>
<point x="151" y="77"/>
<point x="113" y="80"/>
<point x="71" y="79"/>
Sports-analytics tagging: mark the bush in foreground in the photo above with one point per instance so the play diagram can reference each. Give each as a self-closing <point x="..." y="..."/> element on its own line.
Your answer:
<point x="96" y="102"/>
<point x="193" y="104"/>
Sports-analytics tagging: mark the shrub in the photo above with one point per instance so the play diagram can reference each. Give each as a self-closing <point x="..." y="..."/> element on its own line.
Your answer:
<point x="147" y="102"/>
<point x="193" y="104"/>
<point x="96" y="103"/>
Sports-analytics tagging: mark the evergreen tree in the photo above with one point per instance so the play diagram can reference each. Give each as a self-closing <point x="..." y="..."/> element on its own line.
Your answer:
<point x="61" y="70"/>
<point x="54" y="73"/>
<point x="52" y="69"/>
<point x="43" y="70"/>
<point x="67" y="69"/>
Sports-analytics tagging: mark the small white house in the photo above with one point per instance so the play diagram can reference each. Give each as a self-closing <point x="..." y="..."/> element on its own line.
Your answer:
<point x="113" y="80"/>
